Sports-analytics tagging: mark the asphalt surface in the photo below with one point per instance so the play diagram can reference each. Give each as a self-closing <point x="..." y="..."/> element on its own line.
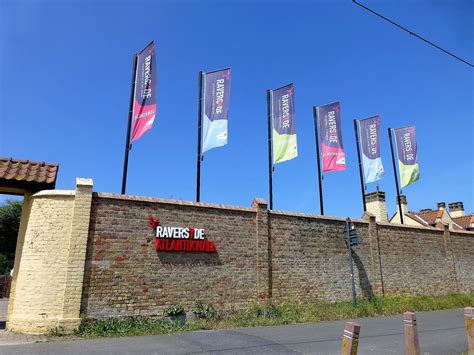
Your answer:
<point x="440" y="332"/>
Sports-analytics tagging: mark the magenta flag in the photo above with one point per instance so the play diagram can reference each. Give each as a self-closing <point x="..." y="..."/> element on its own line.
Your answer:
<point x="144" y="97"/>
<point x="332" y="149"/>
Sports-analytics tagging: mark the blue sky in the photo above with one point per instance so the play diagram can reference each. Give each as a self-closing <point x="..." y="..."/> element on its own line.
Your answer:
<point x="65" y="84"/>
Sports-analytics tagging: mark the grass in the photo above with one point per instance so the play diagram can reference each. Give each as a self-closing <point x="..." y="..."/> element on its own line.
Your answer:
<point x="271" y="313"/>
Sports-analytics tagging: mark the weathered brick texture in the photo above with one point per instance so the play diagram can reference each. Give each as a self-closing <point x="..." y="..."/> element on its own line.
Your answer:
<point x="260" y="254"/>
<point x="126" y="276"/>
<point x="95" y="253"/>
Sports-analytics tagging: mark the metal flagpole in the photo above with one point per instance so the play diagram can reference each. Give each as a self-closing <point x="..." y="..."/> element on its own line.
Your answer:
<point x="320" y="180"/>
<point x="130" y="114"/>
<point x="199" y="153"/>
<point x="395" y="174"/>
<point x="270" y="165"/>
<point x="356" y="131"/>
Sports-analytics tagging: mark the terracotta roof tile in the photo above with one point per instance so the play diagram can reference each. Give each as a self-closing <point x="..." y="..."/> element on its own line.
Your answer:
<point x="12" y="170"/>
<point x="464" y="221"/>
<point x="429" y="216"/>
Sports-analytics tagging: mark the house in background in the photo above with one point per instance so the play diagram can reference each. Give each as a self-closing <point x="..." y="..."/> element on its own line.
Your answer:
<point x="455" y="216"/>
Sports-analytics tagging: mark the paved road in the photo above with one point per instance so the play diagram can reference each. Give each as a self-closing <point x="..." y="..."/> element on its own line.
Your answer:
<point x="3" y="312"/>
<point x="441" y="332"/>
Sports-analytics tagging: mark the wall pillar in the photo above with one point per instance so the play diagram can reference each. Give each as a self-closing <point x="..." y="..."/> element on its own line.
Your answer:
<point x="448" y="252"/>
<point x="375" y="259"/>
<point x="50" y="261"/>
<point x="263" y="239"/>
<point x="77" y="255"/>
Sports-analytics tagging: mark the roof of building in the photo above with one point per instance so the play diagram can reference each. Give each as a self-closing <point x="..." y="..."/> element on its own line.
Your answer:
<point x="27" y="175"/>
<point x="464" y="221"/>
<point x="426" y="217"/>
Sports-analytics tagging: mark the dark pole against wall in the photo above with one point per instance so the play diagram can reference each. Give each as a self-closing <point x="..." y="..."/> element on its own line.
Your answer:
<point x="320" y="179"/>
<point x="395" y="174"/>
<point x="199" y="153"/>
<point x="128" y="146"/>
<point x="270" y="165"/>
<point x="361" y="176"/>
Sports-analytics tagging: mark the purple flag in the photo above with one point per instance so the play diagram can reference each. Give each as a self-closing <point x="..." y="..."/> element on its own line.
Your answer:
<point x="144" y="109"/>
<point x="284" y="125"/>
<point x="369" y="133"/>
<point x="407" y="151"/>
<point x="332" y="149"/>
<point x="216" y="108"/>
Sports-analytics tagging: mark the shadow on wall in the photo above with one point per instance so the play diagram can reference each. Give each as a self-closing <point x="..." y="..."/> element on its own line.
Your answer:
<point x="364" y="281"/>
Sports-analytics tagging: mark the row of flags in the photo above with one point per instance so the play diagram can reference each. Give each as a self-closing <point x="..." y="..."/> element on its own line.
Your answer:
<point x="215" y="90"/>
<point x="328" y="122"/>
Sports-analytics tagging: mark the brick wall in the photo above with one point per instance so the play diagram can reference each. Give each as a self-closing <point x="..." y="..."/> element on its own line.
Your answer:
<point x="126" y="276"/>
<point x="462" y="246"/>
<point x="95" y="253"/>
<point x="310" y="259"/>
<point x="260" y="254"/>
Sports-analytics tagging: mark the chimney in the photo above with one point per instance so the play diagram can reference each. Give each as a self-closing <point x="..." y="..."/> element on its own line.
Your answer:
<point x="375" y="204"/>
<point x="456" y="209"/>
<point x="441" y="205"/>
<point x="403" y="202"/>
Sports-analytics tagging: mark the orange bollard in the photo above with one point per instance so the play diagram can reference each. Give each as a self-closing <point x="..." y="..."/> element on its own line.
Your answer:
<point x="469" y="321"/>
<point x="412" y="344"/>
<point x="350" y="339"/>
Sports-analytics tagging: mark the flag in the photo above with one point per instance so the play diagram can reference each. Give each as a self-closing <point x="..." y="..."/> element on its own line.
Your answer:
<point x="405" y="139"/>
<point x="144" y="97"/>
<point x="216" y="106"/>
<point x="369" y="140"/>
<point x="332" y="149"/>
<point x="283" y="122"/>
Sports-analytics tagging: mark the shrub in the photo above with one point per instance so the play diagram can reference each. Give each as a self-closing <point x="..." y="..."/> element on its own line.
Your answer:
<point x="202" y="311"/>
<point x="177" y="310"/>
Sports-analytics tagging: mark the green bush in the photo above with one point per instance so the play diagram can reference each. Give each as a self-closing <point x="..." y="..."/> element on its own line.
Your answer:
<point x="174" y="310"/>
<point x="113" y="327"/>
<point x="10" y="214"/>
<point x="202" y="311"/>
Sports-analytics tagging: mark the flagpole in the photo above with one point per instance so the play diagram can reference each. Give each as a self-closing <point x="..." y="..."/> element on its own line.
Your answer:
<point x="320" y="180"/>
<point x="130" y="114"/>
<point x="199" y="152"/>
<point x="395" y="174"/>
<point x="270" y="165"/>
<point x="356" y="131"/>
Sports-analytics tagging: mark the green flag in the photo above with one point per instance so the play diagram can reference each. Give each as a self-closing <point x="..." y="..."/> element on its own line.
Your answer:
<point x="284" y="127"/>
<point x="407" y="151"/>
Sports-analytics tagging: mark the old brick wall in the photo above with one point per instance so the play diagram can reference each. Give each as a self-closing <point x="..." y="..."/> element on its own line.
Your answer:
<point x="310" y="259"/>
<point x="414" y="260"/>
<point x="125" y="275"/>
<point x="260" y="254"/>
<point x="462" y="244"/>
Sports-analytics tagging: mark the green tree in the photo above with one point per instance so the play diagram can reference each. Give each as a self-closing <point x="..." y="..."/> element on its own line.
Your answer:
<point x="10" y="214"/>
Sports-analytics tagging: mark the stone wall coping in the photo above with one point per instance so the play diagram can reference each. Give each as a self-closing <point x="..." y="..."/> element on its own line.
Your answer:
<point x="315" y="216"/>
<point x="397" y="225"/>
<point x="55" y="193"/>
<point x="109" y="195"/>
<point x="166" y="201"/>
<point x="424" y="228"/>
<point x="83" y="182"/>
<point x="465" y="233"/>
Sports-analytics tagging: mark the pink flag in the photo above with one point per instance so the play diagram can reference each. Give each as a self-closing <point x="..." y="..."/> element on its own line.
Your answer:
<point x="144" y="107"/>
<point x="332" y="149"/>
